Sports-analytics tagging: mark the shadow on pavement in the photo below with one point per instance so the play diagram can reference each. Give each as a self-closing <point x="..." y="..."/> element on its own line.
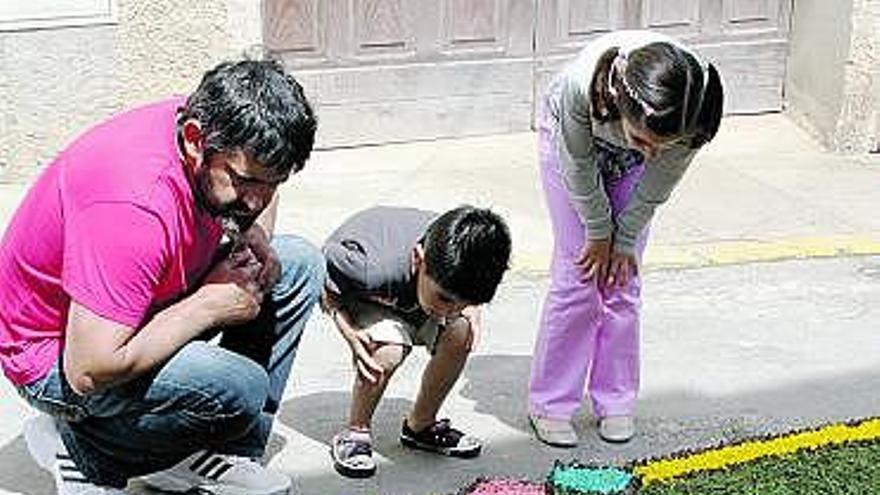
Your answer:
<point x="667" y="423"/>
<point x="19" y="473"/>
<point x="496" y="383"/>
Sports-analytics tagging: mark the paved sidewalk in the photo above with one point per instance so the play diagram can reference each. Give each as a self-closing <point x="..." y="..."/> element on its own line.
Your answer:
<point x="762" y="190"/>
<point x="732" y="348"/>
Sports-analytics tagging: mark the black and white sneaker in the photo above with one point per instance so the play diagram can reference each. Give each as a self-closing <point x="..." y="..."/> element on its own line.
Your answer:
<point x="441" y="438"/>
<point x="45" y="446"/>
<point x="220" y="474"/>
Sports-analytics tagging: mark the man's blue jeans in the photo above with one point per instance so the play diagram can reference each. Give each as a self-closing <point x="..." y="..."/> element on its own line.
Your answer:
<point x="221" y="398"/>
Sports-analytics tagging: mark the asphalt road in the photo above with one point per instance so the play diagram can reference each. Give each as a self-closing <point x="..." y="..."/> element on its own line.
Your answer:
<point x="729" y="352"/>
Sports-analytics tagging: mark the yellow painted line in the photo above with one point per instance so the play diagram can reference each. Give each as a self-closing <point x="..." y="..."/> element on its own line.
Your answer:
<point x="734" y="252"/>
<point x="663" y="470"/>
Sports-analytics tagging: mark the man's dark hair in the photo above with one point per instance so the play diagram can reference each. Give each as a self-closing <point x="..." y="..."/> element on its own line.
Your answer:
<point x="467" y="250"/>
<point x="255" y="107"/>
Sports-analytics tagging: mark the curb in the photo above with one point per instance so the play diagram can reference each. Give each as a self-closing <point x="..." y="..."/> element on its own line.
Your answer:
<point x="733" y="252"/>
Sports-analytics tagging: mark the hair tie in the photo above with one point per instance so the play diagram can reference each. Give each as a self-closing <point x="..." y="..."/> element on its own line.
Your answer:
<point x="619" y="65"/>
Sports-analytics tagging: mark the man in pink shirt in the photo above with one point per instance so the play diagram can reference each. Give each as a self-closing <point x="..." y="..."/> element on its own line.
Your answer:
<point x="145" y="238"/>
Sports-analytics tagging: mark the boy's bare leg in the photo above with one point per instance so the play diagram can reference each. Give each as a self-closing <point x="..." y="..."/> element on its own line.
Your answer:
<point x="366" y="395"/>
<point x="441" y="373"/>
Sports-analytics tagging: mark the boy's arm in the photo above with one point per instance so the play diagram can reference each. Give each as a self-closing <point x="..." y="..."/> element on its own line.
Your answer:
<point x="357" y="338"/>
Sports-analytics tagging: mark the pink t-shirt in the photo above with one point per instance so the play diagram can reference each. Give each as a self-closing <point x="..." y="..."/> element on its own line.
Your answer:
<point x="112" y="224"/>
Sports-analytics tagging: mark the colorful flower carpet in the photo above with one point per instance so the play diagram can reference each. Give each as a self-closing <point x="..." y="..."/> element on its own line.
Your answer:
<point x="836" y="459"/>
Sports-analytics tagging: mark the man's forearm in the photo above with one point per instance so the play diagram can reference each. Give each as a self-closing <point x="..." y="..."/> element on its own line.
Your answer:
<point x="168" y="331"/>
<point x="152" y="345"/>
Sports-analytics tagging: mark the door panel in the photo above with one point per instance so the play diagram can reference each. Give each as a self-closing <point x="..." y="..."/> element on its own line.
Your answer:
<point x="398" y="70"/>
<point x="298" y="28"/>
<point x="382" y="27"/>
<point x="759" y="15"/>
<point x="676" y="18"/>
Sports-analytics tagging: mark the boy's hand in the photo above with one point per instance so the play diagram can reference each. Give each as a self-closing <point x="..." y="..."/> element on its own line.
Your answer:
<point x="594" y="259"/>
<point x="360" y="343"/>
<point x="361" y="352"/>
<point x="475" y="318"/>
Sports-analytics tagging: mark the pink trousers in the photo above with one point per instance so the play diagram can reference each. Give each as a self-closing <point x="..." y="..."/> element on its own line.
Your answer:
<point x="586" y="331"/>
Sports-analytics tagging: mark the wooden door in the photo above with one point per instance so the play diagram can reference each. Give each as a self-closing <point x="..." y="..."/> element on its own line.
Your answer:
<point x="747" y="39"/>
<point x="399" y="70"/>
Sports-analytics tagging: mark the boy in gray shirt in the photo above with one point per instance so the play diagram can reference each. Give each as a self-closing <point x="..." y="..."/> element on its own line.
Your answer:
<point x="399" y="277"/>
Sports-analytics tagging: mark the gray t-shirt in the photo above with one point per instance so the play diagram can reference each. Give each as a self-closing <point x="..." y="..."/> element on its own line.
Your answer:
<point x="369" y="258"/>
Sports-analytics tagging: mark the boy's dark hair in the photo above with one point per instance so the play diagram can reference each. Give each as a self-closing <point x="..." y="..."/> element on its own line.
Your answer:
<point x="255" y="107"/>
<point x="687" y="98"/>
<point x="467" y="250"/>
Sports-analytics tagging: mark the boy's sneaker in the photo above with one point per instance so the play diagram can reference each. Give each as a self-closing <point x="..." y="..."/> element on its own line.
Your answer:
<point x="554" y="432"/>
<point x="45" y="446"/>
<point x="441" y="438"/>
<point x="352" y="454"/>
<point x="617" y="429"/>
<point x="218" y="474"/>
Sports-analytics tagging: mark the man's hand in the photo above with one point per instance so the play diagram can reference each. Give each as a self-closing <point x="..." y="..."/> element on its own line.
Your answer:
<point x="258" y="242"/>
<point x="232" y="288"/>
<point x="594" y="259"/>
<point x="621" y="269"/>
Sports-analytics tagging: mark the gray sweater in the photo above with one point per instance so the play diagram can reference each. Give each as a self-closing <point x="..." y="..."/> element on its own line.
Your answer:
<point x="570" y="106"/>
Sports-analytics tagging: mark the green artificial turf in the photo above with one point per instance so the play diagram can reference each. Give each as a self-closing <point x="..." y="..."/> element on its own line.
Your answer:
<point x="852" y="469"/>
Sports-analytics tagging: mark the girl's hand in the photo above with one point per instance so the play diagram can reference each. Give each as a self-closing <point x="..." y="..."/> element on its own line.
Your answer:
<point x="621" y="269"/>
<point x="594" y="259"/>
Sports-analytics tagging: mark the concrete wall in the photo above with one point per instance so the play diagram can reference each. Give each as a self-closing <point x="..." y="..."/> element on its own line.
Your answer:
<point x="833" y="80"/>
<point x="56" y="82"/>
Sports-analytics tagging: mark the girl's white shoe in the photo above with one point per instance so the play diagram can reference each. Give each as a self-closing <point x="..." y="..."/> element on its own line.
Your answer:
<point x="617" y="429"/>
<point x="554" y="432"/>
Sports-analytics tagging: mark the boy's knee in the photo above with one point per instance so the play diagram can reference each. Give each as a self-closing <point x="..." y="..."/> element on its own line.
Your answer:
<point x="458" y="337"/>
<point x="390" y="356"/>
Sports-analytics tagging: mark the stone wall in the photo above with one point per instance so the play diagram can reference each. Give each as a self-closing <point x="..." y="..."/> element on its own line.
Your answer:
<point x="833" y="81"/>
<point x="56" y="82"/>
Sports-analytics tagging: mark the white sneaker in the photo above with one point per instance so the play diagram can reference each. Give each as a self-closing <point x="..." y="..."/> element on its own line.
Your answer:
<point x="617" y="429"/>
<point x="220" y="474"/>
<point x="45" y="446"/>
<point x="554" y="432"/>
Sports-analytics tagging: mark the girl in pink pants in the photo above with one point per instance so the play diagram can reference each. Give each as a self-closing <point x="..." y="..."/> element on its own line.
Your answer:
<point x="618" y="129"/>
